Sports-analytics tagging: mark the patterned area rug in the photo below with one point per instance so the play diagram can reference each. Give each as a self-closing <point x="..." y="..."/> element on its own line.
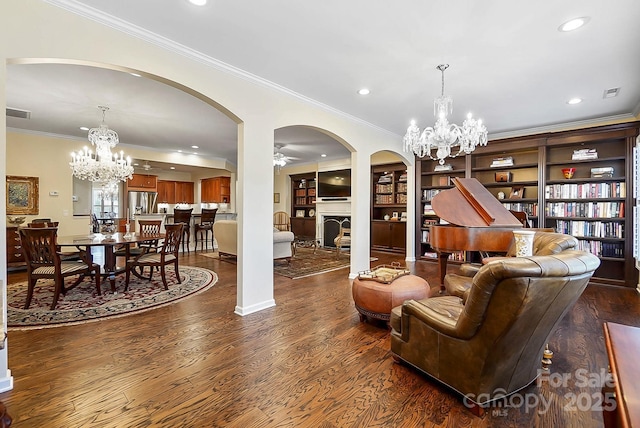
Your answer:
<point x="305" y="263"/>
<point x="82" y="304"/>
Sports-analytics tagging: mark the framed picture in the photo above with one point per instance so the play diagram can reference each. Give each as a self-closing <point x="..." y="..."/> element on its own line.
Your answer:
<point x="22" y="195"/>
<point x="395" y="214"/>
<point x="299" y="213"/>
<point x="276" y="198"/>
<point x="517" y="192"/>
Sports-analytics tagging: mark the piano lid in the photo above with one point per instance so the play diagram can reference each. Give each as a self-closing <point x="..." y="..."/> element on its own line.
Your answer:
<point x="470" y="204"/>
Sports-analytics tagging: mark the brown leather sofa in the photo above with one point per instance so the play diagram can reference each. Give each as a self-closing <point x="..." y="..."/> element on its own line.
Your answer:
<point x="491" y="345"/>
<point x="544" y="244"/>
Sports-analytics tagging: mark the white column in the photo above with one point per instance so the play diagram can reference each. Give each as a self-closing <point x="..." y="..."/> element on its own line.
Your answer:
<point x="255" y="217"/>
<point x="360" y="212"/>
<point x="411" y="214"/>
<point x="6" y="380"/>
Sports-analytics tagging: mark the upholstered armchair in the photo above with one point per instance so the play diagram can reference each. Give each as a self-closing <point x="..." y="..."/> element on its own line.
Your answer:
<point x="491" y="345"/>
<point x="226" y="235"/>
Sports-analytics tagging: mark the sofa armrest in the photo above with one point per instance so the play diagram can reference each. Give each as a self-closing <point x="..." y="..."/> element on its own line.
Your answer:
<point x="283" y="236"/>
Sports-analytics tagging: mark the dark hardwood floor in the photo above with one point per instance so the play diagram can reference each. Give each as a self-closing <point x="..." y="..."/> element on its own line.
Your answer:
<point x="307" y="362"/>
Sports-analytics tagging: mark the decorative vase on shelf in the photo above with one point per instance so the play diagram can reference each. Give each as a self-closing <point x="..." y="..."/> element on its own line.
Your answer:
<point x="386" y="217"/>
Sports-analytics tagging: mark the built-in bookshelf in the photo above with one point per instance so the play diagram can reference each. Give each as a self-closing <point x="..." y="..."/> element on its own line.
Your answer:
<point x="389" y="207"/>
<point x="433" y="179"/>
<point x="577" y="182"/>
<point x="303" y="205"/>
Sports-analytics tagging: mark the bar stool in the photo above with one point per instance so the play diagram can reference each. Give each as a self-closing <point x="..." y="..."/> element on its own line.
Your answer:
<point x="207" y="218"/>
<point x="184" y="216"/>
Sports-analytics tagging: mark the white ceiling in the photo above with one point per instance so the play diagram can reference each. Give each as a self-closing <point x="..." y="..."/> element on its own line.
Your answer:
<point x="509" y="65"/>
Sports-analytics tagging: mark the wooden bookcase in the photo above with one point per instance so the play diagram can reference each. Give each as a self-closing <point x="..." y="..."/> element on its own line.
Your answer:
<point x="388" y="203"/>
<point x="303" y="205"/>
<point x="595" y="210"/>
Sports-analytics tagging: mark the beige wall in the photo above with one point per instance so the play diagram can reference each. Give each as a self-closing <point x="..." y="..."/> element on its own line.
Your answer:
<point x="46" y="157"/>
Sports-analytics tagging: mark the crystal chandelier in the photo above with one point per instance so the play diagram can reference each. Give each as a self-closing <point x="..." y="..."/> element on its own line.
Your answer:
<point x="279" y="160"/>
<point x="445" y="139"/>
<point x="101" y="166"/>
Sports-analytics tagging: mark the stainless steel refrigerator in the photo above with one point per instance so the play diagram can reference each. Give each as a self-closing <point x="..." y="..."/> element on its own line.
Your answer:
<point x="143" y="202"/>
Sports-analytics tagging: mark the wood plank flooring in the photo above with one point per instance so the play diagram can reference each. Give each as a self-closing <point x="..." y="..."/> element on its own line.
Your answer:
<point x="307" y="362"/>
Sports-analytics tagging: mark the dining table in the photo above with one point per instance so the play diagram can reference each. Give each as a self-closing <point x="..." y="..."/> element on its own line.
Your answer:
<point x="86" y="243"/>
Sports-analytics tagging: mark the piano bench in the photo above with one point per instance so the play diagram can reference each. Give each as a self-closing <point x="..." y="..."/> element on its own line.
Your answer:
<point x="376" y="300"/>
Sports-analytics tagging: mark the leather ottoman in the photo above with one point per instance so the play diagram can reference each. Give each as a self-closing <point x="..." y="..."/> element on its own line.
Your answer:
<point x="374" y="299"/>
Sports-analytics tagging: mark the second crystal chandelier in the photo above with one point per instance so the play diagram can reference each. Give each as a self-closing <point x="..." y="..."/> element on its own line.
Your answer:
<point x="445" y="139"/>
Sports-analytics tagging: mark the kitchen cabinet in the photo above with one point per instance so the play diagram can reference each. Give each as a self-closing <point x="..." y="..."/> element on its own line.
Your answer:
<point x="143" y="182"/>
<point x="166" y="192"/>
<point x="216" y="189"/>
<point x="175" y="192"/>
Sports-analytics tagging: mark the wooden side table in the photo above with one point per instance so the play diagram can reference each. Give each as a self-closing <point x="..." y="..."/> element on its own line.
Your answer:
<point x="623" y="347"/>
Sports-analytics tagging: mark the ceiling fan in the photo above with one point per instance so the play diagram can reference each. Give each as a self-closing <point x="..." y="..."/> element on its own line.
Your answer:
<point x="146" y="166"/>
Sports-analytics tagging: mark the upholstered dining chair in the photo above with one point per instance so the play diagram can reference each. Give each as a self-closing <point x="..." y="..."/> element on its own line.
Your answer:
<point x="281" y="221"/>
<point x="44" y="262"/>
<point x="184" y="216"/>
<point x="167" y="254"/>
<point x="207" y="218"/>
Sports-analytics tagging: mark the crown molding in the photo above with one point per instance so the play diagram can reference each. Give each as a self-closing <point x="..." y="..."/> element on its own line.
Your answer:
<point x="579" y="124"/>
<point x="118" y="24"/>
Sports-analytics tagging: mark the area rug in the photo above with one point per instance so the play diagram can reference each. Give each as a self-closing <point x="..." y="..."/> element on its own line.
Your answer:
<point x="306" y="263"/>
<point x="82" y="304"/>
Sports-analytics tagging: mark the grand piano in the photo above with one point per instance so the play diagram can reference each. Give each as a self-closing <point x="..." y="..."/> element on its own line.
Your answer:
<point x="477" y="222"/>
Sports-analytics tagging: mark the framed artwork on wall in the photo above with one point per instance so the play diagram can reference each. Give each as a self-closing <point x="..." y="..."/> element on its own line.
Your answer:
<point x="22" y="195"/>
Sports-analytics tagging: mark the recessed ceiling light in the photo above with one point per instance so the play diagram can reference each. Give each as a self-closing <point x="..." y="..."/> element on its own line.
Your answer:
<point x="195" y="147"/>
<point x="135" y="74"/>
<point x="84" y="128"/>
<point x="136" y="164"/>
<point x="323" y="155"/>
<point x="574" y="101"/>
<point x="198" y="2"/>
<point x="364" y="91"/>
<point x="179" y="151"/>
<point x="173" y="167"/>
<point x="195" y="153"/>
<point x="573" y="24"/>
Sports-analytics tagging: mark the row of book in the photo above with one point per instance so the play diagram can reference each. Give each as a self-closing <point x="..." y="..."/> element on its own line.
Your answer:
<point x="384" y="188"/>
<point x="531" y="208"/>
<point x="401" y="198"/>
<point x="384" y="199"/>
<point x="603" y="249"/>
<point x="595" y="229"/>
<point x="401" y="187"/>
<point x="585" y="209"/>
<point x="428" y="194"/>
<point x="586" y="190"/>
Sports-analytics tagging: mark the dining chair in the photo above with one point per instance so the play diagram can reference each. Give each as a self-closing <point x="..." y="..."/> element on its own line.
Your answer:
<point x="44" y="262"/>
<point x="281" y="221"/>
<point x="207" y="218"/>
<point x="167" y="254"/>
<point x="41" y="224"/>
<point x="146" y="227"/>
<point x="181" y="215"/>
